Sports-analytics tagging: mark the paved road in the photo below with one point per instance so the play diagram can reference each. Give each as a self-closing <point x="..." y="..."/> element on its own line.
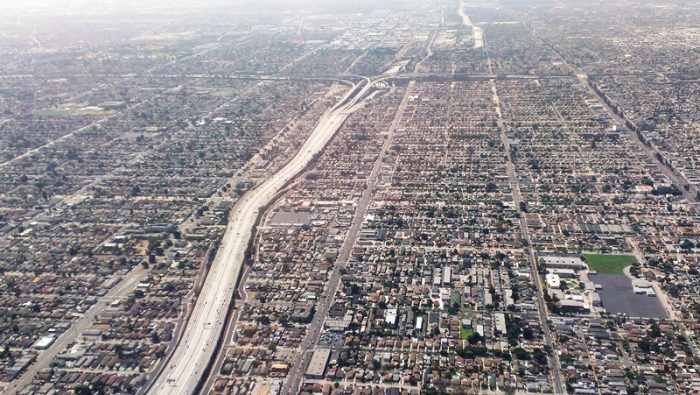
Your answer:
<point x="673" y="176"/>
<point x="229" y="336"/>
<point x="120" y="290"/>
<point x="204" y="328"/>
<point x="71" y="134"/>
<point x="676" y="178"/>
<point x="428" y="50"/>
<point x="477" y="32"/>
<point x="555" y="365"/>
<point x="291" y="385"/>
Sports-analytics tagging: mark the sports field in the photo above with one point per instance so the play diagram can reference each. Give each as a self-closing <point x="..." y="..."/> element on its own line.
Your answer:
<point x="609" y="264"/>
<point x="465" y="333"/>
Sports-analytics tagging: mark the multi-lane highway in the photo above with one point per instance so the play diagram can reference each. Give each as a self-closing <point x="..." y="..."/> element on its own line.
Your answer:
<point x="188" y="362"/>
<point x="477" y="32"/>
<point x="193" y="353"/>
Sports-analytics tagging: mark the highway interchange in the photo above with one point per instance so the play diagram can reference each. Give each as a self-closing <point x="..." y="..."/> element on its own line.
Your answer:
<point x="188" y="363"/>
<point x="184" y="371"/>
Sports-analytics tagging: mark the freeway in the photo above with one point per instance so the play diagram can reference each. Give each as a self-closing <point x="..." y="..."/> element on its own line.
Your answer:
<point x="477" y="32"/>
<point x="193" y="353"/>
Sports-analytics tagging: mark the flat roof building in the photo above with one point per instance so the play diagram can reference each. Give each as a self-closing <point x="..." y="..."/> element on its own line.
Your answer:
<point x="553" y="280"/>
<point x="44" y="342"/>
<point x="317" y="364"/>
<point x="563" y="262"/>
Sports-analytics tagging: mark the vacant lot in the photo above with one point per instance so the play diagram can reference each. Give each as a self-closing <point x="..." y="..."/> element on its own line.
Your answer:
<point x="609" y="264"/>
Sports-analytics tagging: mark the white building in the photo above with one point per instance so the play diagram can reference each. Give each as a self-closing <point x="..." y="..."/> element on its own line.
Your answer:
<point x="553" y="280"/>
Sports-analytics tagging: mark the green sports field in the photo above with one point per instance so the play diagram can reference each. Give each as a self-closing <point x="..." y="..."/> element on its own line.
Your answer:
<point x="465" y="333"/>
<point x="609" y="264"/>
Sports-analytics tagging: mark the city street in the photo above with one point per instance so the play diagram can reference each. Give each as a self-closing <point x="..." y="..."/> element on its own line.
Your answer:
<point x="193" y="354"/>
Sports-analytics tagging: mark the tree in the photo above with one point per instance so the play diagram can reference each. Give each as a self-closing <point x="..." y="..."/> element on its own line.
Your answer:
<point x="169" y="287"/>
<point x="474" y="338"/>
<point x="521" y="354"/>
<point x="454" y="308"/>
<point x="644" y="345"/>
<point x="241" y="187"/>
<point x="687" y="245"/>
<point x="84" y="390"/>
<point x="540" y="356"/>
<point x="5" y="353"/>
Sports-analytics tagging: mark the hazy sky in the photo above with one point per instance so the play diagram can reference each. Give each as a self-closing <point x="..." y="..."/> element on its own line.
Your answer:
<point x="97" y="7"/>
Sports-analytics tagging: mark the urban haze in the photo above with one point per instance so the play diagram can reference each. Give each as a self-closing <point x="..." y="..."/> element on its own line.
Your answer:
<point x="328" y="197"/>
